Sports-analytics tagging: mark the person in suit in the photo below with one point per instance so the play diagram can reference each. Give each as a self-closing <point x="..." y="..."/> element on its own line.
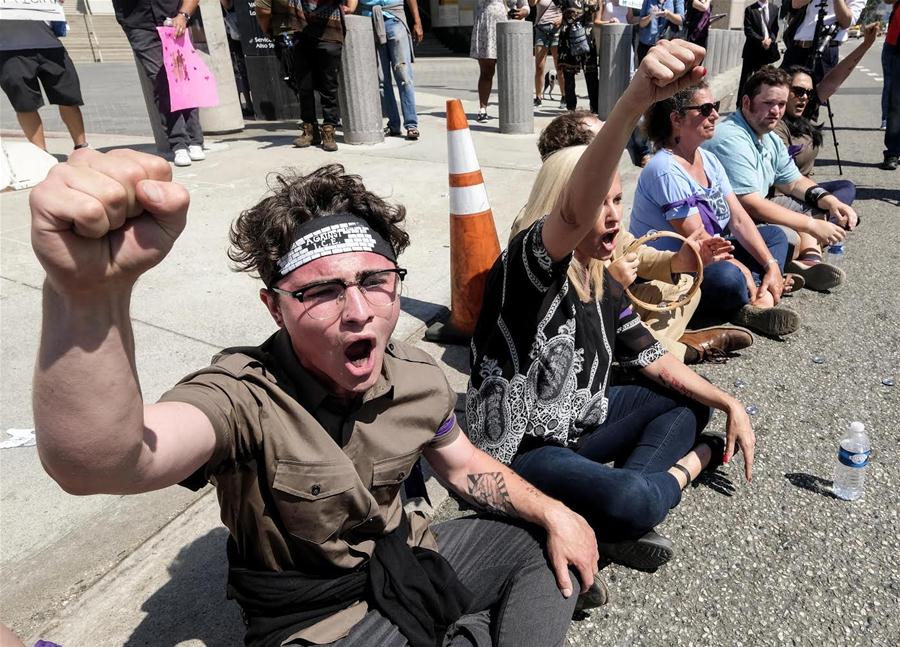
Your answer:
<point x="760" y="48"/>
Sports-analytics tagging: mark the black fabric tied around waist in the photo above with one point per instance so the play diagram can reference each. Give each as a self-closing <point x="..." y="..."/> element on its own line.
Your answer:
<point x="413" y="587"/>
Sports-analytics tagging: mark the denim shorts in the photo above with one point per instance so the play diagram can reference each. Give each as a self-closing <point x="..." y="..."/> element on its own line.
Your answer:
<point x="546" y="35"/>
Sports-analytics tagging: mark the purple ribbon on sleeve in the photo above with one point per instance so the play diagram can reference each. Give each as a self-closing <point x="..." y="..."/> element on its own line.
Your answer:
<point x="707" y="215"/>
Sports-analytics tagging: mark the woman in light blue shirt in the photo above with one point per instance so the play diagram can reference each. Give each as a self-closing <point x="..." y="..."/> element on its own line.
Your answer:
<point x="684" y="188"/>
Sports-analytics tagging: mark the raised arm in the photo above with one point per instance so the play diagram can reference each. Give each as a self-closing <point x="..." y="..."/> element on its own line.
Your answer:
<point x="668" y="67"/>
<point x="843" y="13"/>
<point x="494" y="487"/>
<point x="839" y="73"/>
<point x="98" y="223"/>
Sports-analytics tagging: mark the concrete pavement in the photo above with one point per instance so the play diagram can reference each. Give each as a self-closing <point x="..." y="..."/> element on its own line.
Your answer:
<point x="149" y="570"/>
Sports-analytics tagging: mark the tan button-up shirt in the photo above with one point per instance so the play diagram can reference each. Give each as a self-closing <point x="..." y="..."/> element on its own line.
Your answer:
<point x="291" y="497"/>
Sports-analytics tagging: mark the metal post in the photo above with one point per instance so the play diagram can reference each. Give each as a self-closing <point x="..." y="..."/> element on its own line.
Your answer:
<point x="93" y="41"/>
<point x="614" y="56"/>
<point x="225" y="117"/>
<point x="358" y="84"/>
<point x="515" y="76"/>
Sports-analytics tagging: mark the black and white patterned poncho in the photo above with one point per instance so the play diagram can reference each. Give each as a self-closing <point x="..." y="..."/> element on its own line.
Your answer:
<point x="540" y="356"/>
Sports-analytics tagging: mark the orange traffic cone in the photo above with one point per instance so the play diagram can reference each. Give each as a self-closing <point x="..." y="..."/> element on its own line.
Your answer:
<point x="474" y="245"/>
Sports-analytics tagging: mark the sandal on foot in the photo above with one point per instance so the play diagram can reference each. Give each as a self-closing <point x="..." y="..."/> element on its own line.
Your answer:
<point x="798" y="283"/>
<point x="646" y="553"/>
<point x="392" y="133"/>
<point x="819" y="276"/>
<point x="716" y="446"/>
<point x="594" y="597"/>
<point x="412" y="134"/>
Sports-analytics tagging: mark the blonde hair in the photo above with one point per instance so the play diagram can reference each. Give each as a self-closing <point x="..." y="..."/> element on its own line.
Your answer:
<point x="547" y="189"/>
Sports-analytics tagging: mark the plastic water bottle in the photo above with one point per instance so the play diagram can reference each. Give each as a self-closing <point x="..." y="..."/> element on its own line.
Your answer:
<point x="836" y="254"/>
<point x="852" y="461"/>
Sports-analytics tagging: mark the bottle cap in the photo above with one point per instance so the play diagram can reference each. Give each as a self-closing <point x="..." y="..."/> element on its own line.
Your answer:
<point x="857" y="427"/>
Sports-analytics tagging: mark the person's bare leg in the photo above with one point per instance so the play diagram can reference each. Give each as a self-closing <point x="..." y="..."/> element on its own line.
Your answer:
<point x="808" y="246"/>
<point x="540" y="55"/>
<point x="694" y="462"/>
<point x="485" y="80"/>
<point x="560" y="80"/>
<point x="33" y="128"/>
<point x="71" y="116"/>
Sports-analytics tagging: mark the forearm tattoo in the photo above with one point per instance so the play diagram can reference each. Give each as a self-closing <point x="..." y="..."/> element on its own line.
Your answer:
<point x="673" y="383"/>
<point x="489" y="492"/>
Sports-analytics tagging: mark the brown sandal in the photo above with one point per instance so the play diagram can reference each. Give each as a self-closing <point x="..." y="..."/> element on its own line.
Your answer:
<point x="412" y="134"/>
<point x="797" y="283"/>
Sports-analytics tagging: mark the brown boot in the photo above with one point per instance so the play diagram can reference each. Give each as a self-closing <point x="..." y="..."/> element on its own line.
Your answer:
<point x="328" y="143"/>
<point x="714" y="344"/>
<point x="309" y="136"/>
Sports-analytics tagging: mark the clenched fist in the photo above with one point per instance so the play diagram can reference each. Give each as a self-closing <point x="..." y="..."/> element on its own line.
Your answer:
<point x="102" y="219"/>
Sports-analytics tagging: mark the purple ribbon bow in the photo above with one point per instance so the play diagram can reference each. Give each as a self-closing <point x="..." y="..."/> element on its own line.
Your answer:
<point x="707" y="215"/>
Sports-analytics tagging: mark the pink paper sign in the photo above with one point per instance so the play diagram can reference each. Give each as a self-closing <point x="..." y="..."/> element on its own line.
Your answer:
<point x="191" y="84"/>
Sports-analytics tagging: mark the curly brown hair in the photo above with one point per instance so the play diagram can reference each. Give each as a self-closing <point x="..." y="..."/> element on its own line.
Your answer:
<point x="568" y="129"/>
<point x="263" y="233"/>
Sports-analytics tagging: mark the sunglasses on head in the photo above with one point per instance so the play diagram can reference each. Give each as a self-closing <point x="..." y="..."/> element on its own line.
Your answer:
<point x="799" y="92"/>
<point x="706" y="109"/>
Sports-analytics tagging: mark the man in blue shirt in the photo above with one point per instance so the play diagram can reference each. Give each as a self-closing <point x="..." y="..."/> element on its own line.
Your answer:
<point x="757" y="162"/>
<point x="654" y="20"/>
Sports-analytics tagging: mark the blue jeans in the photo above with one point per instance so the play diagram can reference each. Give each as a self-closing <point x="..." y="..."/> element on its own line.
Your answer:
<point x="888" y="52"/>
<point x="396" y="63"/>
<point x="645" y="432"/>
<point x="724" y="287"/>
<point x="843" y="190"/>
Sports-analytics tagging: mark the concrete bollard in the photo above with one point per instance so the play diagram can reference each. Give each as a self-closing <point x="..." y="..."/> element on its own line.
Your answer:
<point x="515" y="76"/>
<point x="614" y="56"/>
<point x="713" y="51"/>
<point x="737" y="44"/>
<point x="225" y="117"/>
<point x="358" y="84"/>
<point x="159" y="133"/>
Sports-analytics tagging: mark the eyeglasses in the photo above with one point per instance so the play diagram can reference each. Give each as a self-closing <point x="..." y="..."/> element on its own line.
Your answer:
<point x="799" y="92"/>
<point x="326" y="300"/>
<point x="706" y="109"/>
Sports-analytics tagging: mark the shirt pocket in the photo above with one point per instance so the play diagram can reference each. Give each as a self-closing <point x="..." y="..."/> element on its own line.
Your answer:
<point x="393" y="470"/>
<point x="314" y="500"/>
<point x="388" y="475"/>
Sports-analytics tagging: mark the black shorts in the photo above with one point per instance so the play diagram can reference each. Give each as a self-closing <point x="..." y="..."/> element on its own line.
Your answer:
<point x="20" y="70"/>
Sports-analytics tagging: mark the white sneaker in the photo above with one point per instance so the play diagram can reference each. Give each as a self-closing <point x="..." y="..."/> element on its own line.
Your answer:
<point x="182" y="157"/>
<point x="884" y="124"/>
<point x="196" y="152"/>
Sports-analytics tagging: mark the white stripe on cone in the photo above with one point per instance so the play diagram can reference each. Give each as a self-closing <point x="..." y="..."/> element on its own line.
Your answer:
<point x="468" y="199"/>
<point x="461" y="152"/>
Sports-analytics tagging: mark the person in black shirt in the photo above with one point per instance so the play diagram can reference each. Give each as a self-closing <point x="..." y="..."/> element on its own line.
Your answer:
<point x="139" y="19"/>
<point x="552" y="322"/>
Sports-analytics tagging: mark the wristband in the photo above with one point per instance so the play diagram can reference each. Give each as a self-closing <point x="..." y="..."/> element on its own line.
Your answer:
<point x="814" y="194"/>
<point x="187" y="16"/>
